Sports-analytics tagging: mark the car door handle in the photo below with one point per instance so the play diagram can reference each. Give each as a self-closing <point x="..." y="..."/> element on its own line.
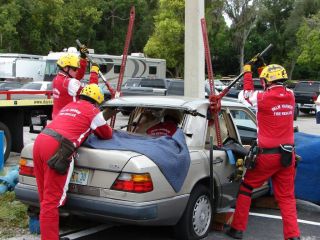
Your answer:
<point x="217" y="160"/>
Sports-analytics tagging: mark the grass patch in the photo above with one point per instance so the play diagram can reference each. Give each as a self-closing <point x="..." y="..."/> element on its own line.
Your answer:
<point x="13" y="215"/>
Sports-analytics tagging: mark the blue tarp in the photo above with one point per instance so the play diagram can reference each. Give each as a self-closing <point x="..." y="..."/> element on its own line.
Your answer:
<point x="170" y="154"/>
<point x="308" y="171"/>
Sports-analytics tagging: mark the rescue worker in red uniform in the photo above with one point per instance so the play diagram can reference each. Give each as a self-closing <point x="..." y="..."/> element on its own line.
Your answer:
<point x="66" y="85"/>
<point x="54" y="149"/>
<point x="168" y="126"/>
<point x="275" y="156"/>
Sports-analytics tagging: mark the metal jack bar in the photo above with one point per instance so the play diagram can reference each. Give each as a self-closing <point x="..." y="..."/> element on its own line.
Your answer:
<point x="226" y="90"/>
<point x="124" y="58"/>
<point x="111" y="90"/>
<point x="216" y="110"/>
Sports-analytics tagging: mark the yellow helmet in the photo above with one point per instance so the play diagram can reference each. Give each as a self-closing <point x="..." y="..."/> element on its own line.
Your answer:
<point x="274" y="72"/>
<point x="94" y="92"/>
<point x="70" y="59"/>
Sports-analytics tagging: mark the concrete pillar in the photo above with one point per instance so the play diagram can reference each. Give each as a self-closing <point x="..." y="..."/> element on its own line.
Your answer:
<point x="194" y="62"/>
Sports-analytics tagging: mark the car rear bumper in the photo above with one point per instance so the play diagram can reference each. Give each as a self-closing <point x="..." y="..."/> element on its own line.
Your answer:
<point x="161" y="212"/>
<point x="307" y="106"/>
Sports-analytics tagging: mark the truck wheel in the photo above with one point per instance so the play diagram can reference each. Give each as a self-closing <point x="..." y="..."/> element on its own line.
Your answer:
<point x="6" y="141"/>
<point x="196" y="219"/>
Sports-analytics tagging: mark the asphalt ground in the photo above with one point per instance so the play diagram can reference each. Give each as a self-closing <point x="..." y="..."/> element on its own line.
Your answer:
<point x="264" y="223"/>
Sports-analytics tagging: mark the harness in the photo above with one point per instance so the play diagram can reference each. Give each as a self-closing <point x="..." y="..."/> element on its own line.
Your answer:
<point x="52" y="133"/>
<point x="62" y="158"/>
<point x="269" y="150"/>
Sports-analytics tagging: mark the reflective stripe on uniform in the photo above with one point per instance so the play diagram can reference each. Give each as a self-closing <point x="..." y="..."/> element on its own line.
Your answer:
<point x="98" y="121"/>
<point x="73" y="87"/>
<point x="66" y="185"/>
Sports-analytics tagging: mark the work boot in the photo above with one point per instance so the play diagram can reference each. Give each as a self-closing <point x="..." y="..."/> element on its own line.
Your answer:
<point x="294" y="238"/>
<point x="234" y="233"/>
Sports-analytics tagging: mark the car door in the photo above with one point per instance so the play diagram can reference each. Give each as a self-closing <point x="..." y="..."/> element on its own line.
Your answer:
<point x="224" y="162"/>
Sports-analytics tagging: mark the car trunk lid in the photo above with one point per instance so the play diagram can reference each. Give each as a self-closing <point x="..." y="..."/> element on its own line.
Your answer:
<point x="96" y="159"/>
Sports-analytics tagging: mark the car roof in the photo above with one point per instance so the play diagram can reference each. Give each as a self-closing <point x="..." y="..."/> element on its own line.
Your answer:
<point x="173" y="102"/>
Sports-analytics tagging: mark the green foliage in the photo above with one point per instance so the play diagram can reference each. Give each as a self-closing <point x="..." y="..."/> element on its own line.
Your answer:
<point x="13" y="214"/>
<point x="38" y="26"/>
<point x="9" y="17"/>
<point x="167" y="40"/>
<point x="309" y="41"/>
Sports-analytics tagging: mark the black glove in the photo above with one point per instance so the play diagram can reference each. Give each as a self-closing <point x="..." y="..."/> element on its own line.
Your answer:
<point x="257" y="63"/>
<point x="83" y="51"/>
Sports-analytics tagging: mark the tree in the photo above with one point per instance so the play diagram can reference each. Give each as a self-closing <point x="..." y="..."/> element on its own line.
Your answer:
<point x="308" y="38"/>
<point x="301" y="10"/>
<point x="243" y="14"/>
<point x="224" y="58"/>
<point x="167" y="40"/>
<point x="9" y="17"/>
<point x="112" y="29"/>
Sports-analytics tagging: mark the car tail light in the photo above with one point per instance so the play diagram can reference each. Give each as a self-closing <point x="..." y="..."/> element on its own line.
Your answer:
<point x="314" y="97"/>
<point x="137" y="183"/>
<point x="26" y="167"/>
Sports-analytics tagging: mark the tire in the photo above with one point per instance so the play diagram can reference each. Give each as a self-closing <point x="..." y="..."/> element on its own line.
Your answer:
<point x="196" y="220"/>
<point x="7" y="141"/>
<point x="305" y="111"/>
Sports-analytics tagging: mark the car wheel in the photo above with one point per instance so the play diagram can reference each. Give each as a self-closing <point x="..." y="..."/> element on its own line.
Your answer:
<point x="196" y="219"/>
<point x="6" y="141"/>
<point x="305" y="111"/>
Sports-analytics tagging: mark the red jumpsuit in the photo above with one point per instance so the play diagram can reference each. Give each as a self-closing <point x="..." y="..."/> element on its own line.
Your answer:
<point x="74" y="122"/>
<point x="275" y="111"/>
<point x="167" y="128"/>
<point x="66" y="89"/>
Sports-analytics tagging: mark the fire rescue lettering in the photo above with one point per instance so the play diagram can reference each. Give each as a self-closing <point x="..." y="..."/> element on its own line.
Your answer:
<point x="56" y="93"/>
<point x="282" y="110"/>
<point x="72" y="112"/>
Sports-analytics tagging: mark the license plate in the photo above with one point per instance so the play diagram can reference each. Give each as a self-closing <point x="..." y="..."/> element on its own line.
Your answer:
<point x="80" y="176"/>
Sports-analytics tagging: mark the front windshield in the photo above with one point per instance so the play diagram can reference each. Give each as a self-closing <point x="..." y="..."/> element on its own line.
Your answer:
<point x="51" y="67"/>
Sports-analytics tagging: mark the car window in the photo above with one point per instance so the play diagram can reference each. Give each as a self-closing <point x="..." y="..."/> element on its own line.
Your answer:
<point x="154" y="83"/>
<point x="49" y="86"/>
<point x="32" y="86"/>
<point x="257" y="84"/>
<point x="10" y="85"/>
<point x="132" y="83"/>
<point x="176" y="88"/>
<point x="246" y="126"/>
<point x="51" y="67"/>
<point x="307" y="86"/>
<point x="211" y="130"/>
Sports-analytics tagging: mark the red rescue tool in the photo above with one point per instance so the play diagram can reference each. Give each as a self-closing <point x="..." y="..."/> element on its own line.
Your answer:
<point x="215" y="100"/>
<point x="124" y="58"/>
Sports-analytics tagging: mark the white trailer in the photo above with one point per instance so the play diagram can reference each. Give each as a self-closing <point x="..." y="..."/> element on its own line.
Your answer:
<point x="21" y="67"/>
<point x="137" y="66"/>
